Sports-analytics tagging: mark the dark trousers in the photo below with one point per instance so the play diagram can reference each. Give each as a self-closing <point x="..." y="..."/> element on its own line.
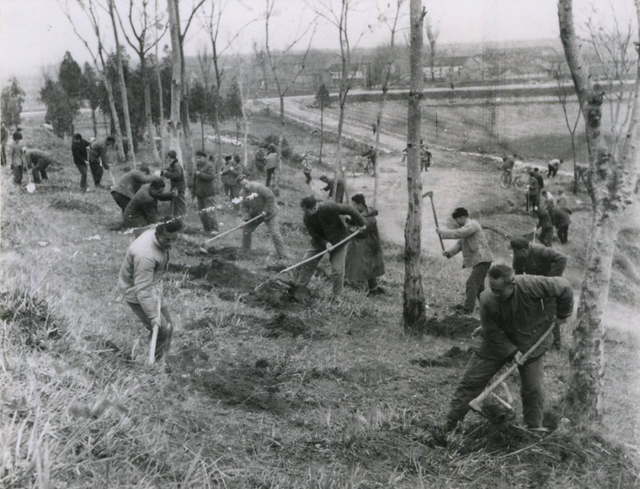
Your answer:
<point x="82" y="168"/>
<point x="40" y="170"/>
<point x="17" y="174"/>
<point x="337" y="258"/>
<point x="270" y="175"/>
<point x="209" y="219"/>
<point x="179" y="204"/>
<point x="307" y="175"/>
<point x="164" y="333"/>
<point x="481" y="370"/>
<point x="96" y="171"/>
<point x="121" y="200"/>
<point x="533" y="200"/>
<point x="552" y="171"/>
<point x="563" y="234"/>
<point x="273" y="227"/>
<point x="3" y="156"/>
<point x="546" y="235"/>
<point x="475" y="285"/>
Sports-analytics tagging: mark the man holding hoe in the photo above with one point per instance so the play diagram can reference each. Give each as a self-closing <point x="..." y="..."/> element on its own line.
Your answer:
<point x="514" y="319"/>
<point x="145" y="263"/>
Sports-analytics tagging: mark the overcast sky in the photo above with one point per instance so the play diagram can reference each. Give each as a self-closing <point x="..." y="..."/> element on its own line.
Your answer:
<point x="34" y="33"/>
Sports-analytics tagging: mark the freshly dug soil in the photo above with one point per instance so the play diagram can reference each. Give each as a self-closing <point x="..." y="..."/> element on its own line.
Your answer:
<point x="277" y="294"/>
<point x="452" y="358"/>
<point x="283" y="324"/>
<point x="453" y="326"/>
<point x="76" y="205"/>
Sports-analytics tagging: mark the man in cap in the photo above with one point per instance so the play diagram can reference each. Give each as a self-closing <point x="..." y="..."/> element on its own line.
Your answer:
<point x="476" y="254"/>
<point x="142" y="211"/>
<point x="204" y="190"/>
<point x="259" y="200"/>
<point x="535" y="259"/>
<point x="175" y="173"/>
<point x="326" y="228"/>
<point x="513" y="319"/>
<point x="98" y="158"/>
<point x="129" y="184"/>
<point x="146" y="261"/>
<point x="80" y="153"/>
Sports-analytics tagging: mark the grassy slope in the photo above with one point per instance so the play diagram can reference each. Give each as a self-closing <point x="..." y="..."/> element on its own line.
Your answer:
<point x="246" y="403"/>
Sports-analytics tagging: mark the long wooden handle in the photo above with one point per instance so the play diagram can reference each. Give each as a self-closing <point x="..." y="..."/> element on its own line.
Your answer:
<point x="154" y="335"/>
<point x="475" y="404"/>
<point x="232" y="230"/>
<point x="435" y="219"/>
<point x="321" y="253"/>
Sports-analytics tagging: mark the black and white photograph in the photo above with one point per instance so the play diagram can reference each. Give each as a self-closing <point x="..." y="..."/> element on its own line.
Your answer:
<point x="320" y="244"/>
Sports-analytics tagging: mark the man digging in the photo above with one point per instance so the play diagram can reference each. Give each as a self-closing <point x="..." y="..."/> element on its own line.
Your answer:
<point x="204" y="191"/>
<point x="98" y="159"/>
<point x="259" y="200"/>
<point x="129" y="184"/>
<point x="513" y="318"/>
<point x="142" y="211"/>
<point x="476" y="254"/>
<point x="326" y="228"/>
<point x="145" y="263"/>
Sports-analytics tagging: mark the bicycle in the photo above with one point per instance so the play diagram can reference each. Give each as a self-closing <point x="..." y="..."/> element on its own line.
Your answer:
<point x="519" y="181"/>
<point x="360" y="167"/>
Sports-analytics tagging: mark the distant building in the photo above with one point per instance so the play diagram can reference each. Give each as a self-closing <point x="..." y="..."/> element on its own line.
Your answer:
<point x="446" y="68"/>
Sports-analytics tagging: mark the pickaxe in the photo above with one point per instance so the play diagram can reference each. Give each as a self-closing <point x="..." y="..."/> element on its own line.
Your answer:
<point x="476" y="403"/>
<point x="435" y="217"/>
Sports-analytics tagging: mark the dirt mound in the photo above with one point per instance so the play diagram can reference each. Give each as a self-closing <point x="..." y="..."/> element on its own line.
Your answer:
<point x="196" y="271"/>
<point x="224" y="274"/>
<point x="228" y="253"/>
<point x="453" y="326"/>
<point x="278" y="294"/>
<point x="283" y="324"/>
<point x="452" y="358"/>
<point x="76" y="205"/>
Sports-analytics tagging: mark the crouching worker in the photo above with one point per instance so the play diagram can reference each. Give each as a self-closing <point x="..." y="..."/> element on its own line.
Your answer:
<point x="129" y="184"/>
<point x="513" y="319"/>
<point x="365" y="262"/>
<point x="145" y="263"/>
<point x="142" y="211"/>
<point x="38" y="160"/>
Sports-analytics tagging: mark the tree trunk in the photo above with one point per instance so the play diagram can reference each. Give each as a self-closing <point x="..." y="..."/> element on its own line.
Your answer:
<point x="216" y="127"/>
<point x="321" y="130"/>
<point x="575" y="163"/>
<point x="163" y="125"/>
<point x="94" y="122"/>
<point x="202" y="129"/>
<point x="610" y="183"/>
<point x="175" y="123"/>
<point x="151" y="128"/>
<point x="123" y="86"/>
<point x="413" y="313"/>
<point x="189" y="160"/>
<point x="114" y="115"/>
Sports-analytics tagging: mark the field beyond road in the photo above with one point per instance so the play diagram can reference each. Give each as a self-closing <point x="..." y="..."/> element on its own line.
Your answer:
<point x="264" y="389"/>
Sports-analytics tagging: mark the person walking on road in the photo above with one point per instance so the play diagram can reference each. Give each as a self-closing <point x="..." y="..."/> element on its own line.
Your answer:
<point x="259" y="200"/>
<point x="145" y="263"/>
<point x="80" y="153"/>
<point x="175" y="173"/>
<point x="364" y="262"/>
<point x="476" y="254"/>
<point x="326" y="228"/>
<point x="98" y="158"/>
<point x="535" y="259"/>
<point x="513" y="319"/>
<point x="142" y="211"/>
<point x="129" y="184"/>
<point x="204" y="191"/>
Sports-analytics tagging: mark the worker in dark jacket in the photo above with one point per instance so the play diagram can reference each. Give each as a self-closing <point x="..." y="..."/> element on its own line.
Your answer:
<point x="365" y="262"/>
<point x="142" y="211"/>
<point x="175" y="173"/>
<point x="271" y="163"/>
<point x="562" y="219"/>
<point x="230" y="173"/>
<point x="513" y="319"/>
<point x="18" y="160"/>
<point x="98" y="159"/>
<point x="544" y="225"/>
<point x="129" y="184"/>
<point x="140" y="276"/>
<point x="79" y="150"/>
<point x="329" y="187"/>
<point x="259" y="200"/>
<point x="533" y="192"/>
<point x="538" y="176"/>
<point x="204" y="190"/>
<point x="39" y="161"/>
<point x="535" y="259"/>
<point x="326" y="228"/>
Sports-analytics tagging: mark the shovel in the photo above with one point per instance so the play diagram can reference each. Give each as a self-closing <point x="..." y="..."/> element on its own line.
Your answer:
<point x="31" y="187"/>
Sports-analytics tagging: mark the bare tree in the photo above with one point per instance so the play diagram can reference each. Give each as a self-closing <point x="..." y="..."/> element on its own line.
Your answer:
<point x="613" y="47"/>
<point x="389" y="61"/>
<point x="433" y="32"/>
<point x="163" y="127"/>
<point x="123" y="84"/>
<point x="340" y="19"/>
<point x="275" y="66"/>
<point x="142" y="46"/>
<point x="562" y="98"/>
<point x="413" y="312"/>
<point x="97" y="56"/>
<point x="611" y="183"/>
<point x="246" y="78"/>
